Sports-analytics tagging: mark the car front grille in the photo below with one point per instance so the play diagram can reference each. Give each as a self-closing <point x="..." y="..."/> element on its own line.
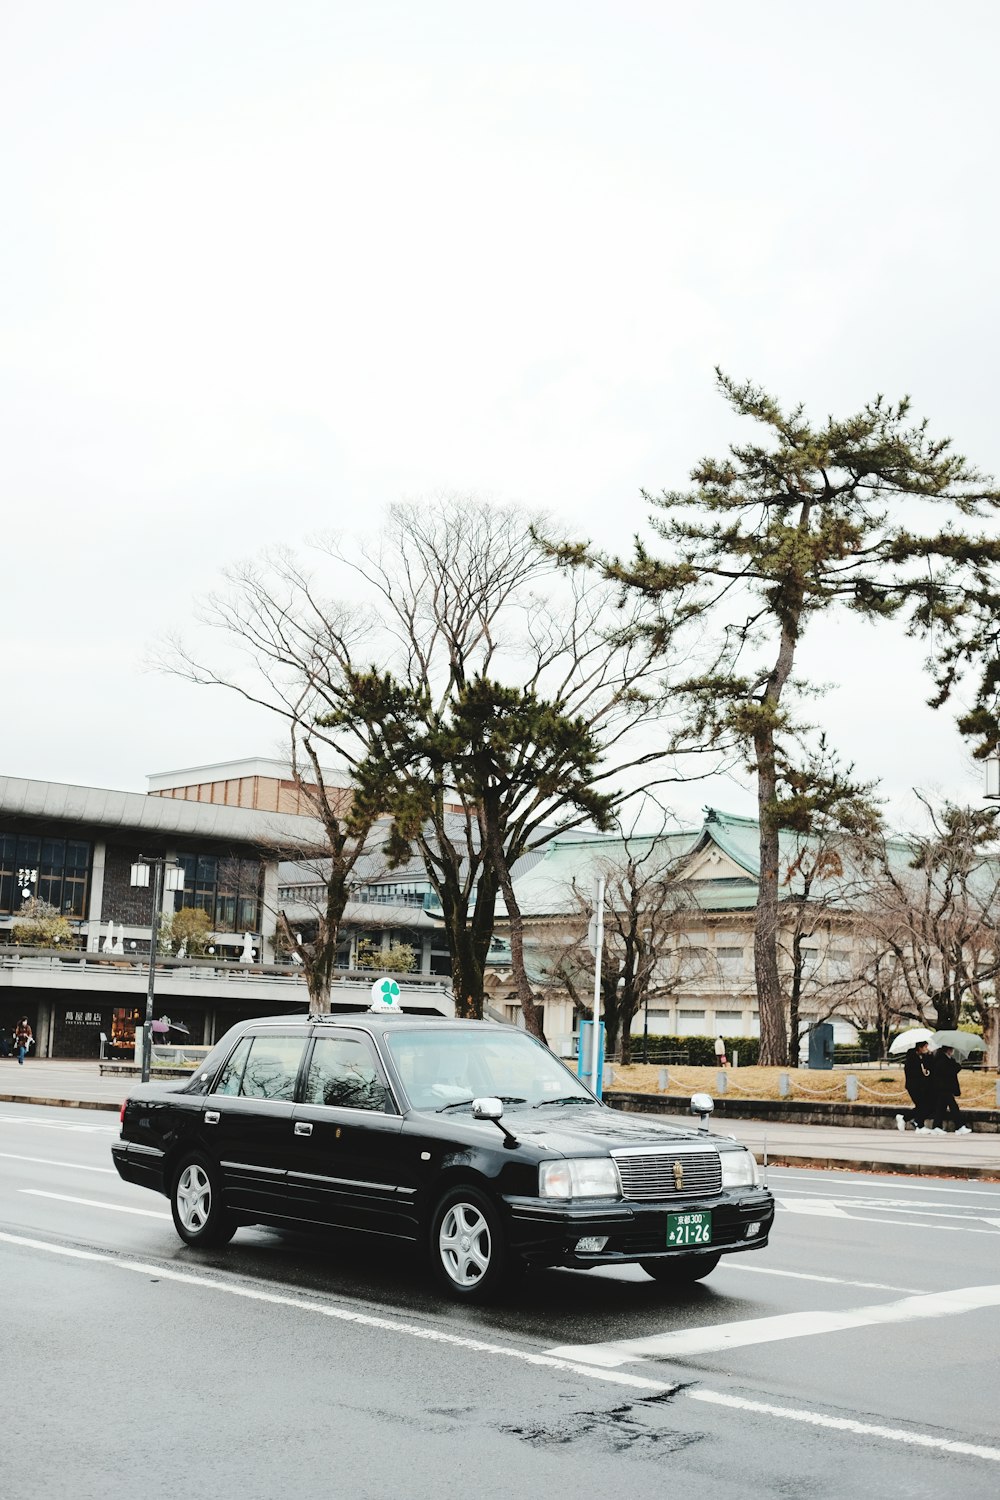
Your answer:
<point x="669" y="1174"/>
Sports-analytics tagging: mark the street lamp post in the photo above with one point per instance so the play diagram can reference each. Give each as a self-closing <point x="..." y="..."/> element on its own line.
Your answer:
<point x="173" y="876"/>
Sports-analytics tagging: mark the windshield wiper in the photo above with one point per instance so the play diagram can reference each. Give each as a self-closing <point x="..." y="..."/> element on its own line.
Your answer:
<point x="567" y="1099"/>
<point x="464" y="1103"/>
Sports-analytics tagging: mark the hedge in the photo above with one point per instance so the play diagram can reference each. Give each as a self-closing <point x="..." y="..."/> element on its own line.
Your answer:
<point x="700" y="1049"/>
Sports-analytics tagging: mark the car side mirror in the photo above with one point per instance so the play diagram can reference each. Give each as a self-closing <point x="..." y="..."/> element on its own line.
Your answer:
<point x="703" y="1105"/>
<point x="489" y="1108"/>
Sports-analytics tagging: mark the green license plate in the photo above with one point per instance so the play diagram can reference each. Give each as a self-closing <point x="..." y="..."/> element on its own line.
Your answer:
<point x="689" y="1229"/>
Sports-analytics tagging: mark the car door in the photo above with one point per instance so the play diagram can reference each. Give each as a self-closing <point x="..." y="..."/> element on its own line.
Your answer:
<point x="345" y="1165"/>
<point x="248" y="1121"/>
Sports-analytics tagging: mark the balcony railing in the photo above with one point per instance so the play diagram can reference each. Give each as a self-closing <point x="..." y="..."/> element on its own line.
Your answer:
<point x="210" y="970"/>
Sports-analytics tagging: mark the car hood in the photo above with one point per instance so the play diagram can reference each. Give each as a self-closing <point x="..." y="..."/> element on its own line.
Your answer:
<point x="588" y="1131"/>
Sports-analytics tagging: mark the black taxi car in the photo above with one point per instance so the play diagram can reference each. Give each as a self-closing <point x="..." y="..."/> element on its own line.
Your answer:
<point x="467" y="1140"/>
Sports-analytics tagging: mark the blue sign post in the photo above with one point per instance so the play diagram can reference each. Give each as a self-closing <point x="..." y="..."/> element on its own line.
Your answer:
<point x="585" y="1056"/>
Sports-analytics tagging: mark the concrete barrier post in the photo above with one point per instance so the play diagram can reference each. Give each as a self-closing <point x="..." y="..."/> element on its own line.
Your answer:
<point x="608" y="1075"/>
<point x="784" y="1085"/>
<point x="720" y="1081"/>
<point x="663" y="1080"/>
<point x="852" y="1088"/>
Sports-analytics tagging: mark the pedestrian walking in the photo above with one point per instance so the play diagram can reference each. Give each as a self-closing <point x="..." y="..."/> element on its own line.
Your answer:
<point x="23" y="1039"/>
<point x="917" y="1077"/>
<point x="720" y="1052"/>
<point x="945" y="1089"/>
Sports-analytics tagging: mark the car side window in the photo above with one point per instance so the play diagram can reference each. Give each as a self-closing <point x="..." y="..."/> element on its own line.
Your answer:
<point x="231" y="1076"/>
<point x="342" y="1072"/>
<point x="272" y="1067"/>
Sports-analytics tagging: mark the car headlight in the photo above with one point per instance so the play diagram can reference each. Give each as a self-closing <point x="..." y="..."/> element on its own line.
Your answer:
<point x="739" y="1169"/>
<point x="579" y="1177"/>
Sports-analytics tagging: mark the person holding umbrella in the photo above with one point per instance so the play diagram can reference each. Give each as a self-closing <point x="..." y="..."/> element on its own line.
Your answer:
<point x="945" y="1089"/>
<point x="917" y="1078"/>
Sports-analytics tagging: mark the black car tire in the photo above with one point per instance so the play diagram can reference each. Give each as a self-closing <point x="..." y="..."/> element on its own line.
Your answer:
<point x="469" y="1255"/>
<point x="200" y="1214"/>
<point x="681" y="1268"/>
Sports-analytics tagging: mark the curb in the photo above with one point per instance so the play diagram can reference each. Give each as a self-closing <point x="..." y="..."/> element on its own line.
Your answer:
<point x="60" y="1103"/>
<point x="883" y="1168"/>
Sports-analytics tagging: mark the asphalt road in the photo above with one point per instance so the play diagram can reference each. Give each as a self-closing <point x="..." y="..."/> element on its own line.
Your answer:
<point x="856" y="1353"/>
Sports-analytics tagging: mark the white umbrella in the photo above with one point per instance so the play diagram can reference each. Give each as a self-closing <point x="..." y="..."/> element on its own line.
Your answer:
<point x="962" y="1041"/>
<point x="109" y="939"/>
<point x="908" y="1039"/>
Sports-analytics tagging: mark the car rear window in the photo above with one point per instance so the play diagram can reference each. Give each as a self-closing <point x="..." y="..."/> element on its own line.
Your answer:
<point x="263" y="1067"/>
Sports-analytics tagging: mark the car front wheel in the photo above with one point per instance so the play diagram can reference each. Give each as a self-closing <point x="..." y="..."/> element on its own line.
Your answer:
<point x="468" y="1254"/>
<point x="200" y="1215"/>
<point x="681" y="1268"/>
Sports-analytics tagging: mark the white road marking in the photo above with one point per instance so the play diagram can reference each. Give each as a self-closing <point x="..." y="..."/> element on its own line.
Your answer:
<point x="340" y="1314"/>
<point x="118" y="1208"/>
<point x="544" y="1361"/>
<point x="820" y="1208"/>
<point x="835" y="1208"/>
<point x="58" y="1125"/>
<point x="682" y="1343"/>
<point x="910" y="1204"/>
<point x="44" y="1161"/>
<point x="879" y="1187"/>
<point x="845" y="1424"/>
<point x="737" y="1263"/>
<point x="924" y="1224"/>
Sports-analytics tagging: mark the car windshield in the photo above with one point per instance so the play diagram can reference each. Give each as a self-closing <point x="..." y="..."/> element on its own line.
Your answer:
<point x="440" y="1068"/>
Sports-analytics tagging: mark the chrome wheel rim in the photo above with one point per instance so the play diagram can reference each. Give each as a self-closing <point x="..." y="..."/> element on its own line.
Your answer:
<point x="465" y="1244"/>
<point x="194" y="1198"/>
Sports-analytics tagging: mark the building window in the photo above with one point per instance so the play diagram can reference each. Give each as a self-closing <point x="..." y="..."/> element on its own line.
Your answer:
<point x="227" y="888"/>
<point x="730" y="962"/>
<point x="61" y="873"/>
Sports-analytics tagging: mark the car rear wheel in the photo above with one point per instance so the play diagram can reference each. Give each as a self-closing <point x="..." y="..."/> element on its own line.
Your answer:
<point x="681" y="1268"/>
<point x="200" y="1215"/>
<point x="469" y="1256"/>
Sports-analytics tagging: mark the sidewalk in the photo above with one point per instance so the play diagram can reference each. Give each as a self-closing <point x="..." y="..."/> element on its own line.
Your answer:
<point x="79" y="1085"/>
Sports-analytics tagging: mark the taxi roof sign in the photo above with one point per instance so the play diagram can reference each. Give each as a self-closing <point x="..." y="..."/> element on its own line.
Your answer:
<point x="385" y="994"/>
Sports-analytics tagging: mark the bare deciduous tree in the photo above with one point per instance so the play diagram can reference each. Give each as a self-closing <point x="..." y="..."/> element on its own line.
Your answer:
<point x="478" y="693"/>
<point x="934" y="917"/>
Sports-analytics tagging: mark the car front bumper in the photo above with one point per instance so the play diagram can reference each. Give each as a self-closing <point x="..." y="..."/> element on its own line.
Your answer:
<point x="546" y="1232"/>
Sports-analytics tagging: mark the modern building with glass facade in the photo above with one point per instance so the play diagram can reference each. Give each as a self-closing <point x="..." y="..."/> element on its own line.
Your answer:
<point x="75" y="848"/>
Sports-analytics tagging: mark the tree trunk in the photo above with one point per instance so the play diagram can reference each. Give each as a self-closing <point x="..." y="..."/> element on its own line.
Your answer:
<point x="945" y="1011"/>
<point x="529" y="1009"/>
<point x="770" y="1001"/>
<point x="794" y="998"/>
<point x="991" y="1035"/>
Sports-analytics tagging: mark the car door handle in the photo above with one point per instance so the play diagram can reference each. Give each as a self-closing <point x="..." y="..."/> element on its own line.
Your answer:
<point x="303" y="1127"/>
<point x="212" y="1117"/>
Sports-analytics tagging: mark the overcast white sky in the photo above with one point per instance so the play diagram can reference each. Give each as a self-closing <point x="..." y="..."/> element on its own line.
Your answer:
<point x="265" y="267"/>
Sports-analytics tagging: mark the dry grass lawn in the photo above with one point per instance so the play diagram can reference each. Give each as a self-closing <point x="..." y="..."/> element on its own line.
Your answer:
<point x="875" y="1086"/>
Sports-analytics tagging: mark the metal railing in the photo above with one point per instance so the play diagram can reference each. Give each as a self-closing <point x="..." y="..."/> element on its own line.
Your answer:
<point x="212" y="970"/>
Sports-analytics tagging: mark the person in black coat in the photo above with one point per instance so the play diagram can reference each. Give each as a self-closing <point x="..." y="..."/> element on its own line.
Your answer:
<point x="917" y="1076"/>
<point x="945" y="1089"/>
